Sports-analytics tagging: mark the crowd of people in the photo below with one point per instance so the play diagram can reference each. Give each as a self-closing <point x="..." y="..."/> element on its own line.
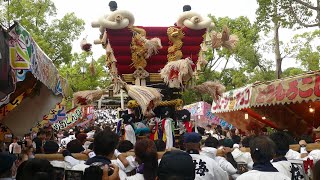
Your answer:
<point x="208" y="153"/>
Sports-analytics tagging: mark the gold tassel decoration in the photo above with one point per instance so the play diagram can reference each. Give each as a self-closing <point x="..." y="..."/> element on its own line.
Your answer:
<point x="175" y="36"/>
<point x="214" y="88"/>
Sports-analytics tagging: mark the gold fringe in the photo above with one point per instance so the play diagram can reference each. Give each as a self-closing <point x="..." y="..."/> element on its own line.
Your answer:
<point x="142" y="48"/>
<point x="178" y="103"/>
<point x="175" y="36"/>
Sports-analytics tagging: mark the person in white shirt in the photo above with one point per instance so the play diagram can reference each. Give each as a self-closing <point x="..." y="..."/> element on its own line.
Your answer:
<point x="206" y="168"/>
<point x="14" y="147"/>
<point x="262" y="150"/>
<point x="280" y="162"/>
<point x="129" y="133"/>
<point x="209" y="149"/>
<point x="243" y="157"/>
<point x="147" y="158"/>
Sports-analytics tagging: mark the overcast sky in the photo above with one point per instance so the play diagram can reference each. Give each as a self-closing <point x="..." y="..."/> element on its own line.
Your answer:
<point x="157" y="13"/>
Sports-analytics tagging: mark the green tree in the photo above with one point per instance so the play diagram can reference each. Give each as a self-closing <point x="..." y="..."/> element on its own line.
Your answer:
<point x="306" y="13"/>
<point x="80" y="76"/>
<point x="271" y="16"/>
<point x="246" y="53"/>
<point x="54" y="36"/>
<point x="306" y="47"/>
<point x="292" y="72"/>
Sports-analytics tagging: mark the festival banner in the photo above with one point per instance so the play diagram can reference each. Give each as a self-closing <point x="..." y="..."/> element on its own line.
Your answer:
<point x="291" y="90"/>
<point x="195" y="109"/>
<point x="201" y="112"/>
<point x="233" y="100"/>
<point x="26" y="56"/>
<point x="56" y="114"/>
<point x="4" y="110"/>
<point x="73" y="116"/>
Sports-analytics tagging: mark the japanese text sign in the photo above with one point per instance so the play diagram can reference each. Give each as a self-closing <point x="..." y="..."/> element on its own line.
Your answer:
<point x="297" y="89"/>
<point x="72" y="117"/>
<point x="233" y="100"/>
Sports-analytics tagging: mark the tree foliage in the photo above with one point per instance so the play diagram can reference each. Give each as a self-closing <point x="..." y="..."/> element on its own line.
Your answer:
<point x="306" y="47"/>
<point x="54" y="36"/>
<point x="81" y="80"/>
<point x="246" y="54"/>
<point x="305" y="13"/>
<point x="271" y="16"/>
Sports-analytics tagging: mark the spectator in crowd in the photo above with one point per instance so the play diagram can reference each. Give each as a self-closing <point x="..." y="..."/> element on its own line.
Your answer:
<point x="14" y="147"/>
<point x="7" y="165"/>
<point x="129" y="133"/>
<point x="176" y="165"/>
<point x="104" y="145"/>
<point x="37" y="169"/>
<point x="316" y="171"/>
<point x="210" y="150"/>
<point x="147" y="157"/>
<point x="242" y="156"/>
<point x="262" y="150"/>
<point x="50" y="147"/>
<point x="235" y="138"/>
<point x="27" y="140"/>
<point x="19" y="175"/>
<point x="125" y="146"/>
<point x="75" y="146"/>
<point x="82" y="137"/>
<point x="280" y="162"/>
<point x="160" y="145"/>
<point x="38" y="141"/>
<point x="206" y="168"/>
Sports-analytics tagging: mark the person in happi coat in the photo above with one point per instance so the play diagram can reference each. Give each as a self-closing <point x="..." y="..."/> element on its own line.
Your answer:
<point x="262" y="151"/>
<point x="206" y="168"/>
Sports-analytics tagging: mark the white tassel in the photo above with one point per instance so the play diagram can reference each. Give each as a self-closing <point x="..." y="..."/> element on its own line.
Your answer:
<point x="184" y="69"/>
<point x="152" y="46"/>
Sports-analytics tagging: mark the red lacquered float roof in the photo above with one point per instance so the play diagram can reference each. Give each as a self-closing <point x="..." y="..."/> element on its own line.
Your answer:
<point x="120" y="41"/>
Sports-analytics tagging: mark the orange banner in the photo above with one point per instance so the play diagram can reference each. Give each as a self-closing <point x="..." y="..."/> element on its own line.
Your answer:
<point x="285" y="91"/>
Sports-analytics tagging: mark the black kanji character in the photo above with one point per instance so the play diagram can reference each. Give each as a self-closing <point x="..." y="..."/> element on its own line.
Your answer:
<point x="201" y="167"/>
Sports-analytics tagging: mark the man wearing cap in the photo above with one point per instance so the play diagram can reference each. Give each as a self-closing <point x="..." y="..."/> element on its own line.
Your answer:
<point x="6" y="166"/>
<point x="205" y="167"/>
